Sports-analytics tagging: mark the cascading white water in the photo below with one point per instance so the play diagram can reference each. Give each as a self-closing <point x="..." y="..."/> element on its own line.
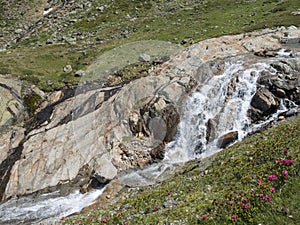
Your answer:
<point x="224" y="98"/>
<point x="28" y="210"/>
<point x="214" y="101"/>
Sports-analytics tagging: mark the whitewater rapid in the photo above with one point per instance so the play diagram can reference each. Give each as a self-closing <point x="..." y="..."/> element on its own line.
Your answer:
<point x="47" y="209"/>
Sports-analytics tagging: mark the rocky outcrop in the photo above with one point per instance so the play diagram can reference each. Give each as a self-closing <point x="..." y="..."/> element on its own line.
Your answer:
<point x="103" y="138"/>
<point x="279" y="85"/>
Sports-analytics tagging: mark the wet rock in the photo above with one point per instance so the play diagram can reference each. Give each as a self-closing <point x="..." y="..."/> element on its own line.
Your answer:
<point x="158" y="153"/>
<point x="171" y="118"/>
<point x="264" y="101"/>
<point x="227" y="139"/>
<point x="211" y="130"/>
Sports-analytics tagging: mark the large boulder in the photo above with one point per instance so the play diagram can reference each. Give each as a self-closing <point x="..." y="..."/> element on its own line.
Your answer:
<point x="265" y="101"/>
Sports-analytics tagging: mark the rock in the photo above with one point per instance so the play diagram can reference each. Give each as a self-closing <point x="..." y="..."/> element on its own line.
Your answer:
<point x="211" y="130"/>
<point x="280" y="92"/>
<point x="12" y="109"/>
<point x="227" y="139"/>
<point x="265" y="101"/>
<point x="295" y="13"/>
<point x="49" y="41"/>
<point x="10" y="140"/>
<point x="158" y="153"/>
<point x="158" y="128"/>
<point x="49" y="82"/>
<point x="290" y="40"/>
<point x="171" y="118"/>
<point x="144" y="58"/>
<point x="79" y="73"/>
<point x="18" y="31"/>
<point x="68" y="69"/>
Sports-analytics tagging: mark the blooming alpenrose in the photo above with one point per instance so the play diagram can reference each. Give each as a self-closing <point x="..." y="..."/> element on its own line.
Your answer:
<point x="285" y="172"/>
<point x="272" y="177"/>
<point x="204" y="217"/>
<point x="272" y="189"/>
<point x="246" y="206"/>
<point x="234" y="217"/>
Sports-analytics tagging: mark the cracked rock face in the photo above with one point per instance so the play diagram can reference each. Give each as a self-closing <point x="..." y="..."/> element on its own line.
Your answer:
<point x="101" y="139"/>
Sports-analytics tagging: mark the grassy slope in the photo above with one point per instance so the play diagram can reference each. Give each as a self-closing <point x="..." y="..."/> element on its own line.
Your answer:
<point x="139" y="20"/>
<point x="221" y="190"/>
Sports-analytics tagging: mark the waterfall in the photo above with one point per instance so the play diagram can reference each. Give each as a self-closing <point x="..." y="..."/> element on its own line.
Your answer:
<point x="225" y="100"/>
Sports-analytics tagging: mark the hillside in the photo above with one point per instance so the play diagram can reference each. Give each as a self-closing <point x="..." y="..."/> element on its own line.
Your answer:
<point x="75" y="33"/>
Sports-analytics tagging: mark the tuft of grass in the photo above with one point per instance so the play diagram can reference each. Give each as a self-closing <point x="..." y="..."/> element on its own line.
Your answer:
<point x="244" y="184"/>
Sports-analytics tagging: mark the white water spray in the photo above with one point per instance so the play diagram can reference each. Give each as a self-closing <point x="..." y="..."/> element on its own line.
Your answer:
<point x="224" y="99"/>
<point x="28" y="210"/>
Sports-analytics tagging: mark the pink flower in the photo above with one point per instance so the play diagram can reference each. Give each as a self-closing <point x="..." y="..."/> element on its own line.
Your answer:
<point x="268" y="197"/>
<point x="246" y="206"/>
<point x="169" y="193"/>
<point x="155" y="208"/>
<point x="263" y="198"/>
<point x="285" y="150"/>
<point x="259" y="181"/>
<point x="245" y="199"/>
<point x="234" y="217"/>
<point x="288" y="162"/>
<point x="285" y="172"/>
<point x="204" y="217"/>
<point x="272" y="189"/>
<point x="254" y="163"/>
<point x="272" y="177"/>
<point x="230" y="202"/>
